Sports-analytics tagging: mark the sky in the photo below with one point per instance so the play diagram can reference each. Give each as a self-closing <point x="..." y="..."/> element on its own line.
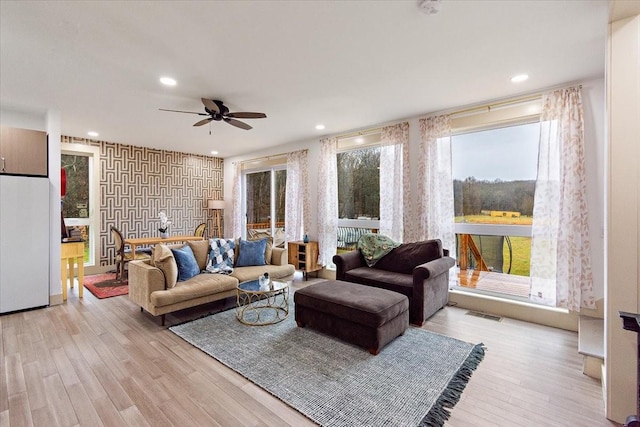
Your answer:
<point x="508" y="154"/>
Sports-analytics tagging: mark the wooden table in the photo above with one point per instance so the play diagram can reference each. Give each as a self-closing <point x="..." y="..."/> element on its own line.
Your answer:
<point x="72" y="253"/>
<point x="146" y="241"/>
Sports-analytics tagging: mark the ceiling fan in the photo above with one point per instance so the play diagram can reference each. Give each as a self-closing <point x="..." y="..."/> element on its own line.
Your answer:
<point x="217" y="111"/>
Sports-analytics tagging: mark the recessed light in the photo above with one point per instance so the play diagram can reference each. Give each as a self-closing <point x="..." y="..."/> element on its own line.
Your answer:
<point x="320" y="126"/>
<point x="92" y="133"/>
<point x="167" y="81"/>
<point x="214" y="152"/>
<point x="519" y="78"/>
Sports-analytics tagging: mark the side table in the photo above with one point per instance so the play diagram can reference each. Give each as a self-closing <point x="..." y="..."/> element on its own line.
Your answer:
<point x="70" y="254"/>
<point x="304" y="257"/>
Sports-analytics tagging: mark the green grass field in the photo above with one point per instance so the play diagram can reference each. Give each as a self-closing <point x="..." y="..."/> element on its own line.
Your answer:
<point x="521" y="246"/>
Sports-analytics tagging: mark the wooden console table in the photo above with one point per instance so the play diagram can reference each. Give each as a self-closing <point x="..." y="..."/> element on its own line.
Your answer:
<point x="147" y="241"/>
<point x="72" y="253"/>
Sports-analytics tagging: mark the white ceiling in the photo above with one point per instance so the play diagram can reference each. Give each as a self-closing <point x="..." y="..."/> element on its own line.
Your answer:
<point x="347" y="64"/>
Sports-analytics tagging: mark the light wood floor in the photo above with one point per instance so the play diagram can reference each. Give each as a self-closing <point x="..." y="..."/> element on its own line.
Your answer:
<point x="97" y="362"/>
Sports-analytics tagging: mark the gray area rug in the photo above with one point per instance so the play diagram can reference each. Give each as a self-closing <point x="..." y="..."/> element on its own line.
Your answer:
<point x="412" y="382"/>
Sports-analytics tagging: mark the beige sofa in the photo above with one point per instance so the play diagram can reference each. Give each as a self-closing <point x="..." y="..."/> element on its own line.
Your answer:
<point x="148" y="286"/>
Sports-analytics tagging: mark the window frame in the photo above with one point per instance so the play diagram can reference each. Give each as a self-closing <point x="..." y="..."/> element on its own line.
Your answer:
<point x="272" y="206"/>
<point x="345" y="144"/>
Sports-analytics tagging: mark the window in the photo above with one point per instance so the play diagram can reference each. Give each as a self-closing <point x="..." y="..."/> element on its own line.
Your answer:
<point x="359" y="183"/>
<point x="81" y="202"/>
<point x="494" y="175"/>
<point x="265" y="203"/>
<point x="358" y="192"/>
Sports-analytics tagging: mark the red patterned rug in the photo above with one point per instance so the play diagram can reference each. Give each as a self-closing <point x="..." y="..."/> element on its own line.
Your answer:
<point x="105" y="285"/>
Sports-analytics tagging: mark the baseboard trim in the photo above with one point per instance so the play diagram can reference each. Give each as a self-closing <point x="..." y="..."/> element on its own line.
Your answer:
<point x="528" y="312"/>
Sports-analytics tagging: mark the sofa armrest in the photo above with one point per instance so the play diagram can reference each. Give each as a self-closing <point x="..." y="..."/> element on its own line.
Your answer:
<point x="144" y="279"/>
<point x="433" y="268"/>
<point x="279" y="256"/>
<point x="347" y="261"/>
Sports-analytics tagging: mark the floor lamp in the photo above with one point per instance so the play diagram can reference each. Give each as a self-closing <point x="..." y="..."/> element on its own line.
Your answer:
<point x="217" y="206"/>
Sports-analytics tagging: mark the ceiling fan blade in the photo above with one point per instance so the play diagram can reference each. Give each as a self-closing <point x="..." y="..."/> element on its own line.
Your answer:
<point x="203" y="122"/>
<point x="179" y="111"/>
<point x="247" y="115"/>
<point x="238" y="123"/>
<point x="210" y="105"/>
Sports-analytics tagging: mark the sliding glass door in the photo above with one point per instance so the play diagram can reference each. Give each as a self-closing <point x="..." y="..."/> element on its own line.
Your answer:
<point x="265" y="193"/>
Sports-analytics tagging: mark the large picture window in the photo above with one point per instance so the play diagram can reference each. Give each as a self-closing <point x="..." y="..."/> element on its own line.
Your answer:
<point x="358" y="194"/>
<point x="494" y="175"/>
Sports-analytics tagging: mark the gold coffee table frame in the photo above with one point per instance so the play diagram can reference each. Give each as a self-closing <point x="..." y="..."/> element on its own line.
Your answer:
<point x="253" y="304"/>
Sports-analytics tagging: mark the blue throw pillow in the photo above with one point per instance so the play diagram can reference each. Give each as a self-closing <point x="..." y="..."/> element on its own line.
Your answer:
<point x="187" y="264"/>
<point x="221" y="256"/>
<point x="251" y="252"/>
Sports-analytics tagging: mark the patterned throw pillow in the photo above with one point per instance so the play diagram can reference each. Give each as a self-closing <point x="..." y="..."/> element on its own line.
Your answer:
<point x="221" y="256"/>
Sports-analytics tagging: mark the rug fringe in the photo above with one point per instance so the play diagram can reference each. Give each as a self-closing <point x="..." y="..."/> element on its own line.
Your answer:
<point x="440" y="411"/>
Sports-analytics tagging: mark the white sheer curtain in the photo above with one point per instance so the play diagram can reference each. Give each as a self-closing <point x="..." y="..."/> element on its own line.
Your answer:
<point x="328" y="201"/>
<point x="297" y="221"/>
<point x="560" y="251"/>
<point x="435" y="183"/>
<point x="394" y="180"/>
<point x="236" y="201"/>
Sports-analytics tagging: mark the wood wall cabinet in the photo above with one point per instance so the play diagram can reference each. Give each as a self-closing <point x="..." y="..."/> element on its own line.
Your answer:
<point x="304" y="257"/>
<point x="23" y="152"/>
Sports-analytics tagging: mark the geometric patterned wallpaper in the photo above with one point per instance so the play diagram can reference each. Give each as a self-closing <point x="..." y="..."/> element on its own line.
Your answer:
<point x="136" y="183"/>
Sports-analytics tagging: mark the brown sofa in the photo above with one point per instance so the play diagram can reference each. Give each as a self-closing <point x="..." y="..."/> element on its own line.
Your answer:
<point x="148" y="286"/>
<point x="418" y="270"/>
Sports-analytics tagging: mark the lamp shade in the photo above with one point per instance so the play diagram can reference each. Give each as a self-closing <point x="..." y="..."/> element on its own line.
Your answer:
<point x="215" y="204"/>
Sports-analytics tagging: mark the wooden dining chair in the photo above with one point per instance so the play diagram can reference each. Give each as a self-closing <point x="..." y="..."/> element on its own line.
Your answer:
<point x="200" y="230"/>
<point x="123" y="255"/>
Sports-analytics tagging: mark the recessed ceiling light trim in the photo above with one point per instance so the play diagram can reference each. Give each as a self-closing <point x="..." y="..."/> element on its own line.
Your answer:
<point x="168" y="81"/>
<point x="92" y="133"/>
<point x="519" y="78"/>
<point x="320" y="126"/>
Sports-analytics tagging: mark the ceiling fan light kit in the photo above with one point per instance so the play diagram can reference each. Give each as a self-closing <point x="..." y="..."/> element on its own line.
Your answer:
<point x="217" y="111"/>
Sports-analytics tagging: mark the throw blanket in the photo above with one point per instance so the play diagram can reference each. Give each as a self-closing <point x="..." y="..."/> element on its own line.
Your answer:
<point x="374" y="246"/>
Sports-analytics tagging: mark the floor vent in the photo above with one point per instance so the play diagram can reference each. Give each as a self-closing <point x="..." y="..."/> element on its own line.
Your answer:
<point x="484" y="315"/>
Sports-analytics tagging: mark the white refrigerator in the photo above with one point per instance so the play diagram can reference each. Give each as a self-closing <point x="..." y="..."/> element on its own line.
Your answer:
<point x="24" y="242"/>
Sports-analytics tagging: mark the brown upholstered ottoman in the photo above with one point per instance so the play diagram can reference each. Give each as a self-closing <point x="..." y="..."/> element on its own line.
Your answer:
<point x="362" y="315"/>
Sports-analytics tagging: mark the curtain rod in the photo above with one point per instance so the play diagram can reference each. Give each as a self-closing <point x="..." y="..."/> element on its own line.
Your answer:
<point x="270" y="157"/>
<point x="487" y="107"/>
<point x="359" y="133"/>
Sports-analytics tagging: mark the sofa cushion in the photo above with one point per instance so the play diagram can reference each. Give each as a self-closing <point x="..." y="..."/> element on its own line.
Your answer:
<point x="407" y="256"/>
<point x="196" y="287"/>
<point x="221" y="256"/>
<point x="200" y="250"/>
<point x="398" y="282"/>
<point x="163" y="259"/>
<point x="187" y="264"/>
<point x="251" y="253"/>
<point x="244" y="274"/>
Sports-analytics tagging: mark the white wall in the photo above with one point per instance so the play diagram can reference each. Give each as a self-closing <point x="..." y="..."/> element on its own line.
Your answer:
<point x="50" y="123"/>
<point x="593" y="100"/>
<point x="623" y="211"/>
<point x="23" y="120"/>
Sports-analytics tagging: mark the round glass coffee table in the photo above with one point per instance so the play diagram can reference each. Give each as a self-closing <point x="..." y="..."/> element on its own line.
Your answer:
<point x="256" y="306"/>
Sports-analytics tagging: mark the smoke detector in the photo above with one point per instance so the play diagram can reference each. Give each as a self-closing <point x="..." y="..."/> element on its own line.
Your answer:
<point x="429" y="7"/>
